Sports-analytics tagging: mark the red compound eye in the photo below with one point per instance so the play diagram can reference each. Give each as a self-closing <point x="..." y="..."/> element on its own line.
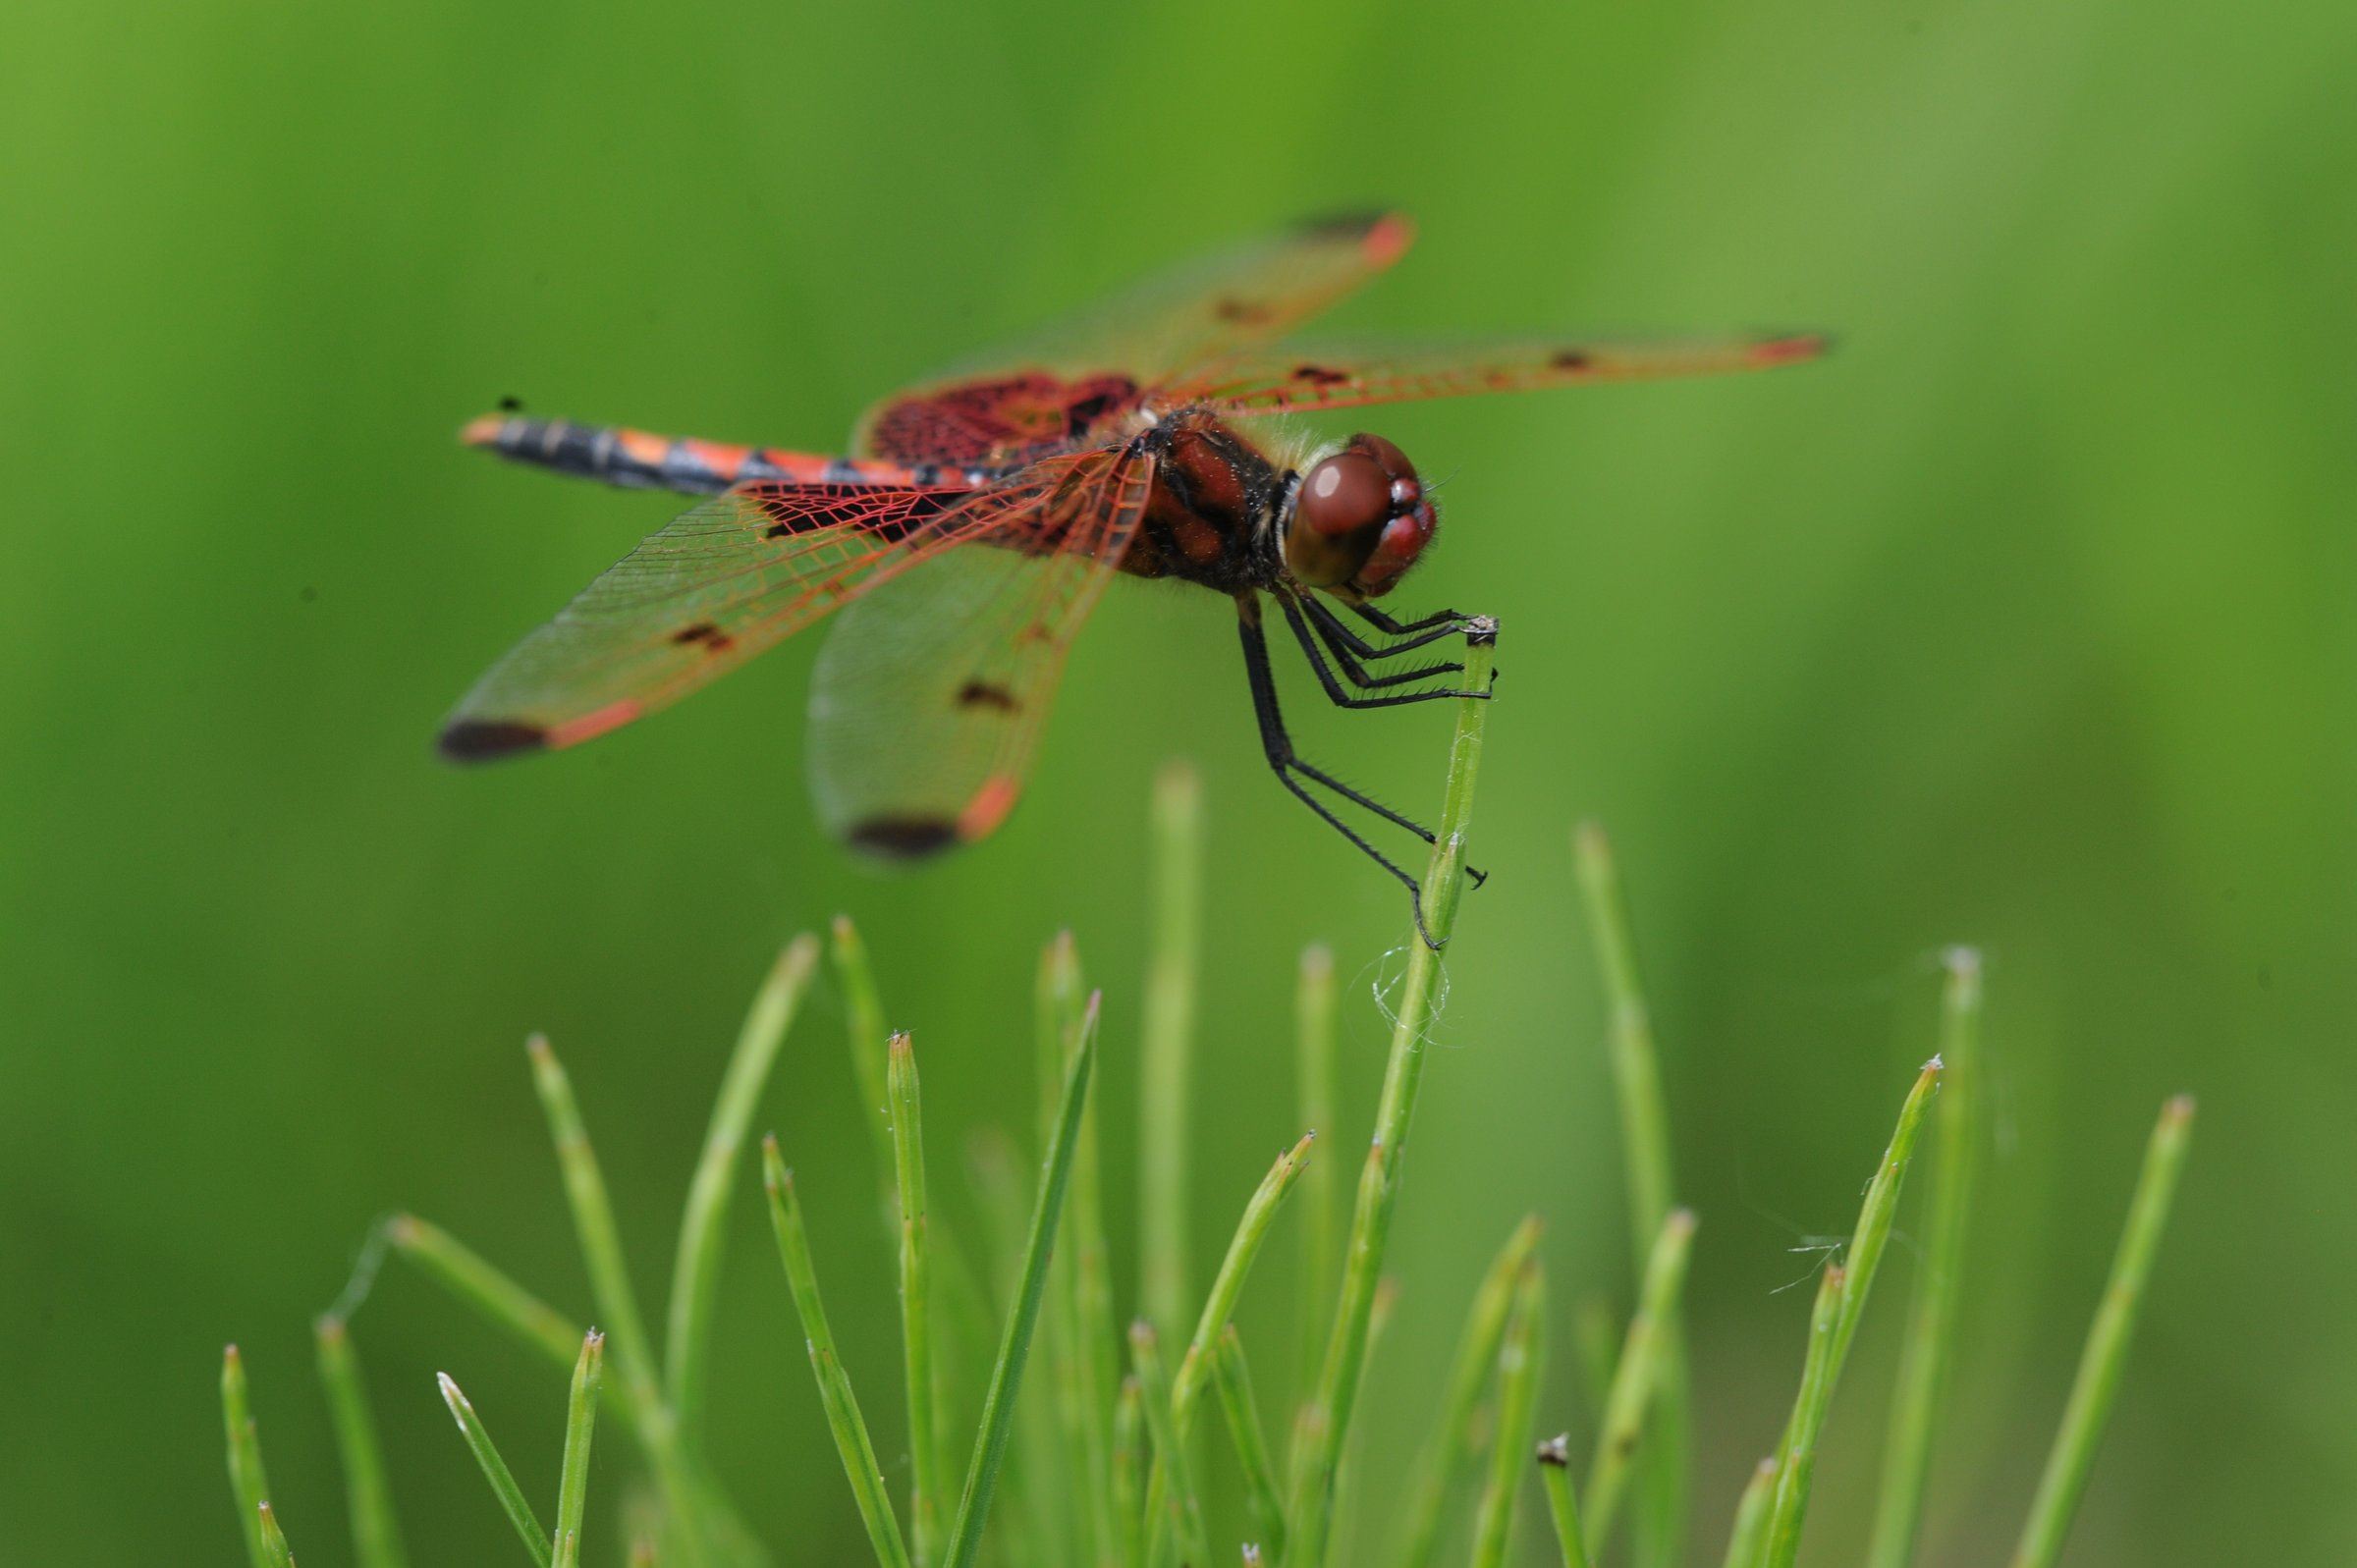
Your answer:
<point x="1345" y="493"/>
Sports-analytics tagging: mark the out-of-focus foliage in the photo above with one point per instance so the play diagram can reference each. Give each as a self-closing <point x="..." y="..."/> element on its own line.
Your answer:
<point x="2023" y="621"/>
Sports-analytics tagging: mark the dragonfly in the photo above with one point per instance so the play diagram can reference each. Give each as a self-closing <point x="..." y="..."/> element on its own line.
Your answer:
<point x="962" y="542"/>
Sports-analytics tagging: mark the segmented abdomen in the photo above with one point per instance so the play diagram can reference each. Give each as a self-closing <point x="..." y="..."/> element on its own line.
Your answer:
<point x="645" y="462"/>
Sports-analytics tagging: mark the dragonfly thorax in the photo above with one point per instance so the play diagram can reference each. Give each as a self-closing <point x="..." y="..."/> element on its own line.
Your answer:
<point x="1357" y="521"/>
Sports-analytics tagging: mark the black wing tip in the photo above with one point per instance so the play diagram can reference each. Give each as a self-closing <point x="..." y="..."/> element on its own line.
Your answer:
<point x="901" y="837"/>
<point x="1385" y="232"/>
<point x="488" y="739"/>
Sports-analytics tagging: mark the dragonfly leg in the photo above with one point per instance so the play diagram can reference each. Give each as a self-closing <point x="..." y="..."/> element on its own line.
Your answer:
<point x="1450" y="620"/>
<point x="1277" y="747"/>
<point x="1411" y="637"/>
<point x="1358" y="677"/>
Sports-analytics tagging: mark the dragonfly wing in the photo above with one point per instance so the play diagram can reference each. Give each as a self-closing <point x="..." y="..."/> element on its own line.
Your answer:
<point x="719" y="585"/>
<point x="930" y="695"/>
<point x="1053" y="390"/>
<point x="1305" y="378"/>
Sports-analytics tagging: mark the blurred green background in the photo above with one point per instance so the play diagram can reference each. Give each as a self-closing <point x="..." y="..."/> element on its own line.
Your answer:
<point x="2022" y="622"/>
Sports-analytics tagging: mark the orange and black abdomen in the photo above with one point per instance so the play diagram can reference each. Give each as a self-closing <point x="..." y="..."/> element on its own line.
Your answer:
<point x="642" y="461"/>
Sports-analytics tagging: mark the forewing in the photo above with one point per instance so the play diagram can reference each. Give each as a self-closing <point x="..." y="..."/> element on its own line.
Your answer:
<point x="1305" y="378"/>
<point x="930" y="695"/>
<point x="1050" y="391"/>
<point x="719" y="585"/>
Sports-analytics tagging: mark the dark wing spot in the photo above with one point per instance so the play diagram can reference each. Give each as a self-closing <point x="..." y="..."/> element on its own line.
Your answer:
<point x="1339" y="225"/>
<point x="711" y="636"/>
<point x="482" y="740"/>
<point x="1242" y="312"/>
<point x="903" y="838"/>
<point x="510" y="403"/>
<point x="1570" y="359"/>
<point x="1320" y="376"/>
<point x="777" y="530"/>
<point x="985" y="694"/>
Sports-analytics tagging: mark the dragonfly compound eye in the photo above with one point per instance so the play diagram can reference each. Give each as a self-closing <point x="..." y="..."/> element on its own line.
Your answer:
<point x="1348" y="493"/>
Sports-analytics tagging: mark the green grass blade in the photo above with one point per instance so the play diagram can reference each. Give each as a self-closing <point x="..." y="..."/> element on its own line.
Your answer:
<point x="1336" y="1398"/>
<point x="1006" y="1374"/>
<point x="1042" y="1510"/>
<point x="1165" y="1079"/>
<point x="1178" y="1511"/>
<point x="600" y="1240"/>
<point x="1781" y="1541"/>
<point x="867" y="1032"/>
<point x="1129" y="1469"/>
<point x="2088" y="1406"/>
<point x="917" y="1296"/>
<point x="1746" y="1538"/>
<point x="695" y="1272"/>
<point x="1454" y="1433"/>
<point x="572" y="1476"/>
<point x="246" y="1481"/>
<point x="465" y="1273"/>
<point x="1321" y="1225"/>
<point x="369" y="1496"/>
<point x="276" y="1553"/>
<point x="511" y="1501"/>
<point x="1864" y="1255"/>
<point x="1232" y="1378"/>
<point x="1079" y="1323"/>
<point x="1929" y="1351"/>
<point x="1637" y="1381"/>
<point x="835" y="1393"/>
<point x="1518" y="1360"/>
<point x="1555" y="1475"/>
<point x="1650" y="1180"/>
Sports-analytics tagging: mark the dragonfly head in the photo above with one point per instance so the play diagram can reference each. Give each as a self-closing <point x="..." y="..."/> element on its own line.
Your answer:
<point x="1359" y="520"/>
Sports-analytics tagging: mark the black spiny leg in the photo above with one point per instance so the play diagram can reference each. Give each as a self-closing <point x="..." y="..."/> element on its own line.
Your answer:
<point x="1349" y="649"/>
<point x="1452" y="619"/>
<point x="1278" y="748"/>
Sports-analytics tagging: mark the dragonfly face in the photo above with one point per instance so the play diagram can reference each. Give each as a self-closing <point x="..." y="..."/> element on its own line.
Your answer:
<point x="979" y="518"/>
<point x="1357" y="521"/>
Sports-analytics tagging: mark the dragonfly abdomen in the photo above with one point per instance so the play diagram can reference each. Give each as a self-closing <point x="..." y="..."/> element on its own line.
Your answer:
<point x="639" y="461"/>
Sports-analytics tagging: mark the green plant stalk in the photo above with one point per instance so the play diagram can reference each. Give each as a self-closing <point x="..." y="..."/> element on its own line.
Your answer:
<point x="1166" y="1042"/>
<point x="511" y="1500"/>
<point x="1781" y="1541"/>
<point x="1006" y="1372"/>
<point x="1129" y="1469"/>
<point x="1176" y="1509"/>
<point x="835" y="1393"/>
<point x="1880" y="1209"/>
<point x="1321" y="1227"/>
<point x="572" y="1476"/>
<point x="1080" y="1330"/>
<point x="1928" y="1354"/>
<point x="1041" y="1482"/>
<point x="369" y="1496"/>
<point x="866" y="1032"/>
<point x="916" y="1322"/>
<point x="695" y="1272"/>
<point x="248" y="1482"/>
<point x="2088" y="1407"/>
<point x="1744" y="1539"/>
<point x="1218" y="1308"/>
<point x="1459" y="1408"/>
<point x="1337" y="1398"/>
<point x="1650" y="1180"/>
<point x="600" y="1240"/>
<point x="1518" y="1363"/>
<point x="476" y="1283"/>
<point x="1637" y="1378"/>
<point x="276" y="1553"/>
<point x="1387" y="1301"/>
<point x="1453" y="1434"/>
<point x="1555" y="1476"/>
<point x="1232" y="1378"/>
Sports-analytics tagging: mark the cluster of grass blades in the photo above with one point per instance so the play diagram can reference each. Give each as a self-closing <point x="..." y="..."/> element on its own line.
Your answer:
<point x="1105" y="1466"/>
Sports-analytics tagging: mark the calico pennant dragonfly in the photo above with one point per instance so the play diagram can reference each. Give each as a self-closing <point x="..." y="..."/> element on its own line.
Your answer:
<point x="980" y="516"/>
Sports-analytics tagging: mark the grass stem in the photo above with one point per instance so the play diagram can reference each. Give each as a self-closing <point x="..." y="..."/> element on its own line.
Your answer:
<point x="1929" y="1350"/>
<point x="2092" y="1391"/>
<point x="511" y="1500"/>
<point x="573" y="1477"/>
<point x="1166" y="1044"/>
<point x="1744" y="1540"/>
<point x="916" y="1322"/>
<point x="368" y="1496"/>
<point x="1781" y="1541"/>
<point x="695" y="1273"/>
<point x="1555" y="1476"/>
<point x="1637" y="1375"/>
<point x="1173" y="1506"/>
<point x="1264" y="1504"/>
<point x="1339" y="1381"/>
<point x="842" y="1405"/>
<point x="1006" y="1372"/>
<point x="248" y="1483"/>
<point x="276" y="1553"/>
<point x="476" y="1282"/>
<point x="866" y="1032"/>
<point x="1519" y="1362"/>
<point x="1322" y="1225"/>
